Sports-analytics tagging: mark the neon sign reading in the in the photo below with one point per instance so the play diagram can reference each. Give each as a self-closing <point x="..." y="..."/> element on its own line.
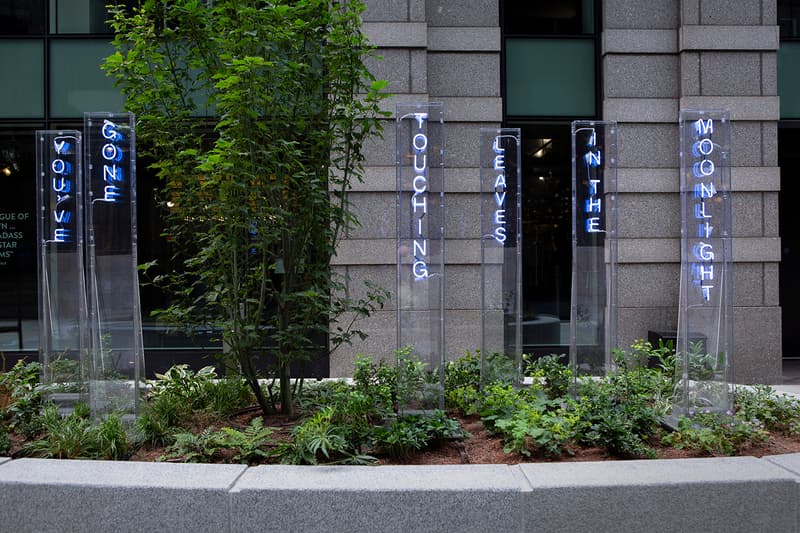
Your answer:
<point x="593" y="206"/>
<point x="112" y="154"/>
<point x="419" y="200"/>
<point x="703" y="169"/>
<point x="62" y="185"/>
<point x="499" y="218"/>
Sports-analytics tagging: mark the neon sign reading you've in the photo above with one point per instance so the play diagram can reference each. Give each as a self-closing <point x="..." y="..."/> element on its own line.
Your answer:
<point x="62" y="166"/>
<point x="419" y="200"/>
<point x="593" y="207"/>
<point x="703" y="170"/>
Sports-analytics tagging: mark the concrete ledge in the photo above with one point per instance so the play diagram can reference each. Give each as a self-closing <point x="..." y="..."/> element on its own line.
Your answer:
<point x="667" y="250"/>
<point x="723" y="494"/>
<point x="641" y="110"/>
<point x="743" y="179"/>
<point x="412" y="498"/>
<point x="640" y="41"/>
<point x="54" y="495"/>
<point x="708" y="37"/>
<point x="396" y="34"/>
<point x="717" y="494"/>
<point x="742" y="107"/>
<point x="464" y="39"/>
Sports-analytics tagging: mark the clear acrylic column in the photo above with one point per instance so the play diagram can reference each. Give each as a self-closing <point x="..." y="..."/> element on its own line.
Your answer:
<point x="420" y="253"/>
<point x="593" y="311"/>
<point x="704" y="351"/>
<point x="114" y="313"/>
<point x="63" y="338"/>
<point x="501" y="248"/>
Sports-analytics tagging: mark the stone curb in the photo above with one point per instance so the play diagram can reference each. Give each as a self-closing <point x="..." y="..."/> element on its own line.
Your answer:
<point x="716" y="494"/>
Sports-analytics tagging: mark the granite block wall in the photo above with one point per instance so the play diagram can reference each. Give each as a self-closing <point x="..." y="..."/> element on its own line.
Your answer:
<point x="709" y="54"/>
<point x="656" y="58"/>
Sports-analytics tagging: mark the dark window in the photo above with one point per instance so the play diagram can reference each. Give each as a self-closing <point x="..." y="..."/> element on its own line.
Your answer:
<point x="546" y="17"/>
<point x="789" y="18"/>
<point x="22" y="17"/>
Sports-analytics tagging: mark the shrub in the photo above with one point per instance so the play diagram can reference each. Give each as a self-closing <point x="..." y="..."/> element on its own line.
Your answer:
<point x="714" y="433"/>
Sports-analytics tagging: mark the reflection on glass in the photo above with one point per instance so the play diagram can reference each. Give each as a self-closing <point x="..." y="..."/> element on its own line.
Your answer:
<point x="546" y="243"/>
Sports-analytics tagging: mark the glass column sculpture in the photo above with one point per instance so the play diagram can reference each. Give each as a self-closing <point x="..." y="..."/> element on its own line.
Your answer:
<point x="501" y="247"/>
<point x="593" y="310"/>
<point x="63" y="339"/>
<point x="420" y="253"/>
<point x="704" y="351"/>
<point x="113" y="288"/>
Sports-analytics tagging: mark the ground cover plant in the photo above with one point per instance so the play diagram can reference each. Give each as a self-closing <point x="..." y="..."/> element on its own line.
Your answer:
<point x="198" y="416"/>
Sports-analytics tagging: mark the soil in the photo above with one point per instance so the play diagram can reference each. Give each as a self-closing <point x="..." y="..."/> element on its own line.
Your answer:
<point x="482" y="447"/>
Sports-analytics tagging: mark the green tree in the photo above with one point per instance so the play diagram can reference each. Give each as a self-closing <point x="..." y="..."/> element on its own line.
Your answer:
<point x="258" y="196"/>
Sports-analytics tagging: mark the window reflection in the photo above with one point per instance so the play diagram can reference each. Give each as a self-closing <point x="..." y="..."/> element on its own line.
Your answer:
<point x="547" y="230"/>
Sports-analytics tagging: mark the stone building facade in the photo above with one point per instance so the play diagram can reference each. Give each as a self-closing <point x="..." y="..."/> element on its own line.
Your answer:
<point x="653" y="59"/>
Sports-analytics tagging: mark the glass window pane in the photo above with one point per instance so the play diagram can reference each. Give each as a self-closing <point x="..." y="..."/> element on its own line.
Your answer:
<point x="550" y="77"/>
<point x="565" y="17"/>
<point x="22" y="93"/>
<point x="82" y="16"/>
<point x="18" y="316"/>
<point x="789" y="79"/>
<point x="789" y="18"/>
<point x="76" y="82"/>
<point x="22" y="17"/>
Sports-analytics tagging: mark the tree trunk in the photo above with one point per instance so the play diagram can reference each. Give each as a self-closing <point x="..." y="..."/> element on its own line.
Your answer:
<point x="287" y="403"/>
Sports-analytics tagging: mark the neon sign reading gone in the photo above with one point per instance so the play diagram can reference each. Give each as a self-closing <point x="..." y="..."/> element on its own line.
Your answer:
<point x="112" y="154"/>
<point x="703" y="169"/>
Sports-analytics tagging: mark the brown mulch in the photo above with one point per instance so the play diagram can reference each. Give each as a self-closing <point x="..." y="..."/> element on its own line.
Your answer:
<point x="485" y="448"/>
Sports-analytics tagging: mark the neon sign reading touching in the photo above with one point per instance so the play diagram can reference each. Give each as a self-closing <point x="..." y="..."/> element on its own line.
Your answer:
<point x="419" y="200"/>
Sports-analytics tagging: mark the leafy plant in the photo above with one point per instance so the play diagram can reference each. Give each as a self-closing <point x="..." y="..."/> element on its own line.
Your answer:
<point x="74" y="436"/>
<point x="24" y="396"/>
<point x="550" y="373"/>
<point x="315" y="440"/>
<point x="715" y="434"/>
<point x="777" y="412"/>
<point x="192" y="448"/>
<point x="184" y="384"/>
<point x="249" y="442"/>
<point x="537" y="427"/>
<point x="260" y="203"/>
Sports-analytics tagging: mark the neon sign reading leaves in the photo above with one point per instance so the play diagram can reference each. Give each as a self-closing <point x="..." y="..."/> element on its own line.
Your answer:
<point x="500" y="187"/>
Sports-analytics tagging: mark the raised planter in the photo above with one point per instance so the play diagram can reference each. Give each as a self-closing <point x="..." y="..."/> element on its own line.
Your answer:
<point x="716" y="494"/>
